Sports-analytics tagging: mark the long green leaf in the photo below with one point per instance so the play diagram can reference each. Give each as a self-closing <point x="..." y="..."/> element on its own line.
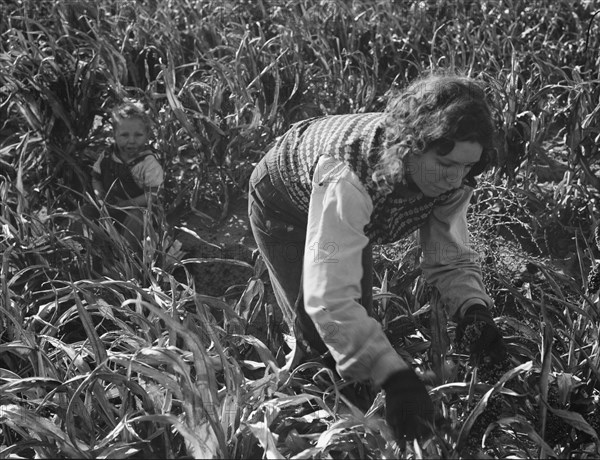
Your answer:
<point x="481" y="405"/>
<point x="90" y="330"/>
<point x="35" y="425"/>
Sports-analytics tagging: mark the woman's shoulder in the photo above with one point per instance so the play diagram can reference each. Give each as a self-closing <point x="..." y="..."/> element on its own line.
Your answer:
<point x="457" y="194"/>
<point x="336" y="131"/>
<point x="331" y="171"/>
<point x="455" y="201"/>
<point x="337" y="120"/>
<point x="358" y="119"/>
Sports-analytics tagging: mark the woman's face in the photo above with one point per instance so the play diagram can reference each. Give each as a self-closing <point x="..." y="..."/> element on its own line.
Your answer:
<point x="435" y="174"/>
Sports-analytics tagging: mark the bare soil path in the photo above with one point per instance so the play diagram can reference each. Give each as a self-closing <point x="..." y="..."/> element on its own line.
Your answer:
<point x="231" y="239"/>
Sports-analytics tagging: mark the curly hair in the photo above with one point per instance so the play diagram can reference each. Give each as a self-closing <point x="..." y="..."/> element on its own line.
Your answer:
<point x="129" y="110"/>
<point x="434" y="112"/>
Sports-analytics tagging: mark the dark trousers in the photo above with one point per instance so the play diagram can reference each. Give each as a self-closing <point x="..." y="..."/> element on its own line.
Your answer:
<point x="280" y="234"/>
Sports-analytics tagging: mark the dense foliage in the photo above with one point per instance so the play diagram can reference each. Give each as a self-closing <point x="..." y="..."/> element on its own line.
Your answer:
<point x="146" y="362"/>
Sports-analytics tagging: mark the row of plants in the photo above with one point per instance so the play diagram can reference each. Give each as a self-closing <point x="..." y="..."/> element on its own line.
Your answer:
<point x="222" y="79"/>
<point x="141" y="364"/>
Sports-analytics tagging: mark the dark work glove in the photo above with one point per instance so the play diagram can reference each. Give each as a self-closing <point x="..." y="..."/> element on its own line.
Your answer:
<point x="408" y="407"/>
<point x="477" y="334"/>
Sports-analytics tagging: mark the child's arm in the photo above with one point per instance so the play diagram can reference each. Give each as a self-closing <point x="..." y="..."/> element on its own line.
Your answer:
<point x="99" y="192"/>
<point x="149" y="175"/>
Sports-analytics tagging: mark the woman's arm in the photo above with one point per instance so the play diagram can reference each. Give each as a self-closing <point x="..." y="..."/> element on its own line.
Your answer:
<point x="339" y="210"/>
<point x="449" y="261"/>
<point x="453" y="267"/>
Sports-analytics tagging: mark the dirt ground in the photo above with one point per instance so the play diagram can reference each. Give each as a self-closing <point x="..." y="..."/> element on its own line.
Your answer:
<point x="232" y="241"/>
<point x="229" y="240"/>
<point x="234" y="230"/>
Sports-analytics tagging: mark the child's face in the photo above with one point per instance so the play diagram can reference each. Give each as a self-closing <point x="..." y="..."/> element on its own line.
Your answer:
<point x="131" y="136"/>
<point x="436" y="174"/>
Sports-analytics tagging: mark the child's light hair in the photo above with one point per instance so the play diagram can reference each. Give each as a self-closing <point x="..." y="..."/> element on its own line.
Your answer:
<point x="128" y="110"/>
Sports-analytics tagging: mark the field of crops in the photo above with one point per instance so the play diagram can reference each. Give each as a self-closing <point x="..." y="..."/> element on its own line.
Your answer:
<point x="180" y="353"/>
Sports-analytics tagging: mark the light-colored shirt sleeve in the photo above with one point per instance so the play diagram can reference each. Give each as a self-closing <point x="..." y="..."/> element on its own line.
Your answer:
<point x="339" y="209"/>
<point x="148" y="173"/>
<point x="449" y="261"/>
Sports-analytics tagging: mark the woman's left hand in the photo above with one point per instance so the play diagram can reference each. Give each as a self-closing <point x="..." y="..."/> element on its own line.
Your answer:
<point x="477" y="333"/>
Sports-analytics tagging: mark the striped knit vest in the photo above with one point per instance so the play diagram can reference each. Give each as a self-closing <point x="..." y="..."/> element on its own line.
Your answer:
<point x="356" y="140"/>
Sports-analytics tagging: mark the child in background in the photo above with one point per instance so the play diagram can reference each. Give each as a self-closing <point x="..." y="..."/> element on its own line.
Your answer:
<point x="127" y="177"/>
